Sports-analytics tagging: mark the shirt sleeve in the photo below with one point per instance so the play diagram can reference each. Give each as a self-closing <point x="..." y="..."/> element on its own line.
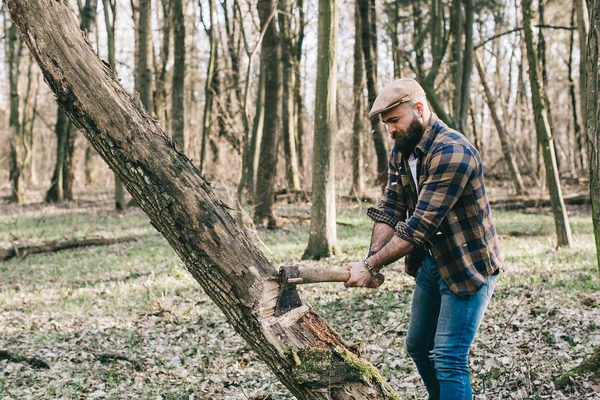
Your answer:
<point x="392" y="207"/>
<point x="449" y="170"/>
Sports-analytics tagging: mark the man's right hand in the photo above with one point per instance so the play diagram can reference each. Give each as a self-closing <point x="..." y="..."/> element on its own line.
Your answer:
<point x="361" y="277"/>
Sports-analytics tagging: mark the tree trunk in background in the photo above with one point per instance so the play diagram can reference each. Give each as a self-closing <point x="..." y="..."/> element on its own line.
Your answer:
<point x="287" y="105"/>
<point x="593" y="117"/>
<point x="177" y="90"/>
<point x="88" y="24"/>
<point x="439" y="43"/>
<point x="322" y="239"/>
<point x="27" y="139"/>
<point x="463" y="58"/>
<point x="581" y="32"/>
<point x="394" y="20"/>
<point x="561" y="221"/>
<point x="465" y="93"/>
<point x="270" y="57"/>
<point x="299" y="88"/>
<point x="110" y="18"/>
<point x="257" y="130"/>
<point x="15" y="131"/>
<point x="577" y="149"/>
<point x="457" y="52"/>
<point x="160" y="63"/>
<point x="509" y="153"/>
<point x="544" y="69"/>
<point x="208" y="94"/>
<point x="32" y="143"/>
<point x="369" y="54"/>
<point x="180" y="204"/>
<point x="143" y="73"/>
<point x="358" y="184"/>
<point x="69" y="166"/>
<point x="55" y="193"/>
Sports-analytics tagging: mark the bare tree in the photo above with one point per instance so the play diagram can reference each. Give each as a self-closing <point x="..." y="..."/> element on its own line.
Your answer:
<point x="504" y="140"/>
<point x="358" y="184"/>
<point x="287" y="106"/>
<point x="298" y="87"/>
<point x="13" y="50"/>
<point x="322" y="239"/>
<point x="270" y="57"/>
<point x="177" y="90"/>
<point x="210" y="79"/>
<point x="369" y="38"/>
<point x="144" y="73"/>
<point x="593" y="116"/>
<point x="561" y="221"/>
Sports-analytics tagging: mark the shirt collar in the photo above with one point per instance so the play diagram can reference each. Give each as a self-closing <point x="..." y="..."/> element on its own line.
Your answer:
<point x="428" y="136"/>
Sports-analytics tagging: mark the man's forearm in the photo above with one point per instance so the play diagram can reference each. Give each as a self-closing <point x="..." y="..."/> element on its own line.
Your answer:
<point x="395" y="249"/>
<point x="382" y="233"/>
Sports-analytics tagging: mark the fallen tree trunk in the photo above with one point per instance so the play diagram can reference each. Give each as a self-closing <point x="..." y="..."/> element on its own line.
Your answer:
<point x="522" y="202"/>
<point x="299" y="347"/>
<point x="57" y="245"/>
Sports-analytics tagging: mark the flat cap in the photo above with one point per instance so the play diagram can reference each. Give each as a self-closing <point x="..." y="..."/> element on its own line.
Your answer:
<point x="398" y="92"/>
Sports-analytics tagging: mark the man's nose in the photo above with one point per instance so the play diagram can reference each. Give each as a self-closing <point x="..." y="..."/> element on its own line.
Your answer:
<point x="391" y="129"/>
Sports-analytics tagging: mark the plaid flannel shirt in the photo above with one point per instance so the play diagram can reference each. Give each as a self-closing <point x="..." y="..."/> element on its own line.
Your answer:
<point x="451" y="216"/>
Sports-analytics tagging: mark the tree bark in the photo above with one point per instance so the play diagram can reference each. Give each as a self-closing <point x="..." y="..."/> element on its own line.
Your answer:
<point x="582" y="37"/>
<point x="110" y="18"/>
<point x="544" y="69"/>
<point x="577" y="149"/>
<point x="322" y="239"/>
<point x="160" y="97"/>
<point x="593" y="117"/>
<point x="581" y="32"/>
<point x="287" y="105"/>
<point x="88" y="25"/>
<point x="143" y="73"/>
<point x="358" y="184"/>
<point x="16" y="132"/>
<point x="181" y="205"/>
<point x="69" y="166"/>
<point x="270" y="57"/>
<point x="177" y="90"/>
<point x="561" y="221"/>
<point x="506" y="147"/>
<point x="257" y="131"/>
<point x="299" y="88"/>
<point x="370" y="55"/>
<point x="210" y="72"/>
<point x="55" y="192"/>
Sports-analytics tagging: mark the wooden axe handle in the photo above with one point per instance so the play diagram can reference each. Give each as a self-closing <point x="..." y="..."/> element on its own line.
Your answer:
<point x="320" y="274"/>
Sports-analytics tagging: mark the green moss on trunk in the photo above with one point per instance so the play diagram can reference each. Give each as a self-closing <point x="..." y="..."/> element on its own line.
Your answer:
<point x="589" y="366"/>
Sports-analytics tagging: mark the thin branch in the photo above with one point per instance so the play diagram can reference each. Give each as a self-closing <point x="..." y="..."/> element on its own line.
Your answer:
<point x="568" y="28"/>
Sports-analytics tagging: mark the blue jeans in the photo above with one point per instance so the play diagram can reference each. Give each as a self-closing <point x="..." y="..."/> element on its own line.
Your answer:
<point x="440" y="332"/>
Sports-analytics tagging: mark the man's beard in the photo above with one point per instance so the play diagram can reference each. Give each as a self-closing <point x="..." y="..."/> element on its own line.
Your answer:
<point x="407" y="142"/>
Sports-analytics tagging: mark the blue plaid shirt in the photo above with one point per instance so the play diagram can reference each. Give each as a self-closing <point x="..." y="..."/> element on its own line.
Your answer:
<point x="451" y="215"/>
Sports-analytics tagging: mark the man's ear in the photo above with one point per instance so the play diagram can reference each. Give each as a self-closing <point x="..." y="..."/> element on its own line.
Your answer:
<point x="418" y="109"/>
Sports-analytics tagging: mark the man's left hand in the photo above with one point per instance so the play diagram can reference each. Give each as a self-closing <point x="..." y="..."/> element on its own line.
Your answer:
<point x="361" y="277"/>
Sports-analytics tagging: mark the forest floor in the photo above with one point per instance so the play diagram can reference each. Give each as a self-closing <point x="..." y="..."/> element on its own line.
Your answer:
<point x="127" y="321"/>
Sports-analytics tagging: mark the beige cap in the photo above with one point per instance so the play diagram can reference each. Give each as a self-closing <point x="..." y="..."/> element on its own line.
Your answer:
<point x="397" y="92"/>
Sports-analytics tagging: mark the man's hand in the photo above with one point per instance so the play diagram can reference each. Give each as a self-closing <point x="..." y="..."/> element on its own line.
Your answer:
<point x="361" y="277"/>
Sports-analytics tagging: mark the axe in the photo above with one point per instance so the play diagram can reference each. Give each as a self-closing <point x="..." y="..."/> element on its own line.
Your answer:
<point x="290" y="276"/>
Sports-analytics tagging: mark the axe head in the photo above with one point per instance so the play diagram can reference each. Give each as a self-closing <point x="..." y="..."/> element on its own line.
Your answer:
<point x="288" y="294"/>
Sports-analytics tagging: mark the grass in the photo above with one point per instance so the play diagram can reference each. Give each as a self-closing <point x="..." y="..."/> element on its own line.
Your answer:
<point x="135" y="299"/>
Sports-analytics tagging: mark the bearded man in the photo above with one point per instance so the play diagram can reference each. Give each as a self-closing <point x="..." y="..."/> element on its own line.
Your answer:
<point x="436" y="213"/>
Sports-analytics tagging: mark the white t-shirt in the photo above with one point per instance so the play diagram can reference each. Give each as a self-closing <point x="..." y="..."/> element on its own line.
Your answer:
<point x="412" y="163"/>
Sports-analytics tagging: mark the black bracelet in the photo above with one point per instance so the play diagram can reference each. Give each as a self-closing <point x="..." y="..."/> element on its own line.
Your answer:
<point x="369" y="268"/>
